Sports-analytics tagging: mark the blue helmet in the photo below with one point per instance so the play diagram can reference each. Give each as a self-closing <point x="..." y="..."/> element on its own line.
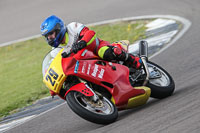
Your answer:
<point x="50" y="24"/>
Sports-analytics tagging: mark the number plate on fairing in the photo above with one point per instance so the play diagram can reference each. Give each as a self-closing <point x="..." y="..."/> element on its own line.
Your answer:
<point x="55" y="77"/>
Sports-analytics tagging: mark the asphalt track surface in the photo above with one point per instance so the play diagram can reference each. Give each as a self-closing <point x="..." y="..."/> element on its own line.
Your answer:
<point x="178" y="113"/>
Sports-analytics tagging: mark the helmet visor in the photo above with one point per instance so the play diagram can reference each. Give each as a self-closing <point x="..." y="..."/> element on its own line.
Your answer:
<point x="50" y="33"/>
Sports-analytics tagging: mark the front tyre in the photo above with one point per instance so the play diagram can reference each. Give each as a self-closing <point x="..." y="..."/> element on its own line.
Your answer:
<point x="101" y="112"/>
<point x="161" y="83"/>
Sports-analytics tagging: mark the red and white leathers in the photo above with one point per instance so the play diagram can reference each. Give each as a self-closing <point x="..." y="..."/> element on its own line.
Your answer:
<point x="77" y="31"/>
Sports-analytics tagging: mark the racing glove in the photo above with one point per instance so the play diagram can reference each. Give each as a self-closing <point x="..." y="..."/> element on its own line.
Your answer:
<point x="120" y="54"/>
<point x="133" y="61"/>
<point x="78" y="46"/>
<point x="114" y="53"/>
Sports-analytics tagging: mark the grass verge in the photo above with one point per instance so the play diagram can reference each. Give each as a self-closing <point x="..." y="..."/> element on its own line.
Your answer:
<point x="21" y="63"/>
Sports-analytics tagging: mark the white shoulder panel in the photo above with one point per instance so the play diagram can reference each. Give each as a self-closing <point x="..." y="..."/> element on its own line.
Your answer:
<point x="76" y="27"/>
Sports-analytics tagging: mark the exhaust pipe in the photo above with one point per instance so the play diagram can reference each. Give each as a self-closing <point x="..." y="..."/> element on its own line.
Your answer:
<point x="143" y="49"/>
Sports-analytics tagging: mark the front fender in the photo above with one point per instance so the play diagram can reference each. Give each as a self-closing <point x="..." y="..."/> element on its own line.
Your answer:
<point x="82" y="88"/>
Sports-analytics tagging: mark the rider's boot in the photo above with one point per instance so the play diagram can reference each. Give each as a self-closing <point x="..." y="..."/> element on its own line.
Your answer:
<point x="117" y="52"/>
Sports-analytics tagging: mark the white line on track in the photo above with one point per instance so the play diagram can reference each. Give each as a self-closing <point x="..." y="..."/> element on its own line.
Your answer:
<point x="6" y="126"/>
<point x="22" y="121"/>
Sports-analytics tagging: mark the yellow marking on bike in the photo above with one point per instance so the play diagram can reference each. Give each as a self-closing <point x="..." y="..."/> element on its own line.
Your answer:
<point x="55" y="77"/>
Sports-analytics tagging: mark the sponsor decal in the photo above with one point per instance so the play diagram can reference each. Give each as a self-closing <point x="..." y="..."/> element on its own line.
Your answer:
<point x="96" y="70"/>
<point x="84" y="52"/>
<point x="88" y="71"/>
<point x="101" y="73"/>
<point x="94" y="73"/>
<point x="76" y="67"/>
<point x="83" y="67"/>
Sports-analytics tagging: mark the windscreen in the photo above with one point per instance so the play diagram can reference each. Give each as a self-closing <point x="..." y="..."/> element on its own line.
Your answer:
<point x="48" y="59"/>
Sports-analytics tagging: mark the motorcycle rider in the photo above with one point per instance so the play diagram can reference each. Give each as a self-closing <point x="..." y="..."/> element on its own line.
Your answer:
<point x="76" y="36"/>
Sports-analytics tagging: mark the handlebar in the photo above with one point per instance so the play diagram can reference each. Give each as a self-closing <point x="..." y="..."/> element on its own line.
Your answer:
<point x="65" y="54"/>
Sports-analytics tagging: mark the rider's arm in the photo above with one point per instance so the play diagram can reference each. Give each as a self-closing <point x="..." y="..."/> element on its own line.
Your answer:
<point x="87" y="35"/>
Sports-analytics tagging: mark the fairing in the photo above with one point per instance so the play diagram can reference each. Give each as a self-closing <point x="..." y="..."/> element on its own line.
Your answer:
<point x="114" y="77"/>
<point x="54" y="76"/>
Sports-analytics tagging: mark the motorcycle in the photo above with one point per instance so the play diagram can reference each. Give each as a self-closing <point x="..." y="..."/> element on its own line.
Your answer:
<point x="96" y="89"/>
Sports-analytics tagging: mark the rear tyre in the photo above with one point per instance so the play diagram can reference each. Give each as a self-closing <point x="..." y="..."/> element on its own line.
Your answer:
<point x="102" y="112"/>
<point x="160" y="87"/>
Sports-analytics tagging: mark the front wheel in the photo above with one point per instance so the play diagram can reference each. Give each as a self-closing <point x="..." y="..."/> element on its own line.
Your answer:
<point x="161" y="83"/>
<point x="101" y="112"/>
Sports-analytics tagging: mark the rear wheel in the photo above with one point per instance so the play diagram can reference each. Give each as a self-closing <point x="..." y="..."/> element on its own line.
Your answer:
<point x="101" y="112"/>
<point x="161" y="83"/>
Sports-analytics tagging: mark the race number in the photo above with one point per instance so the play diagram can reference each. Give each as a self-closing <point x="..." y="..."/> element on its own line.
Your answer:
<point x="52" y="76"/>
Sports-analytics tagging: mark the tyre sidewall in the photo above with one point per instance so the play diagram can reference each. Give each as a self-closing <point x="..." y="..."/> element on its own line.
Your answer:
<point x="88" y="115"/>
<point x="159" y="91"/>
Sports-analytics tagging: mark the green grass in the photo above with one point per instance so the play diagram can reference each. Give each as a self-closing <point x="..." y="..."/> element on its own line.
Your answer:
<point x="131" y="31"/>
<point x="20" y="65"/>
<point x="20" y="74"/>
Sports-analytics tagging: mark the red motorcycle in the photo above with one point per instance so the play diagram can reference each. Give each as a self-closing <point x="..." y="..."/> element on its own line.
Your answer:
<point x="96" y="89"/>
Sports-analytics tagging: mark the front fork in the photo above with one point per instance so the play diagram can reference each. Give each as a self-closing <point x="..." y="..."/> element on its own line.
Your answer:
<point x="95" y="97"/>
<point x="146" y="70"/>
<point x="143" y="52"/>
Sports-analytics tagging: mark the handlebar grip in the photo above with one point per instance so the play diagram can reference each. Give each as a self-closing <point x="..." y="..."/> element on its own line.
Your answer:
<point x="65" y="55"/>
